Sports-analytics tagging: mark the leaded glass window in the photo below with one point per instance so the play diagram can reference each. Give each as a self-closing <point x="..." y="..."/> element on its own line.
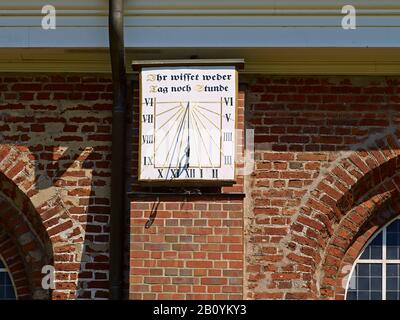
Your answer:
<point x="376" y="273"/>
<point x="7" y="291"/>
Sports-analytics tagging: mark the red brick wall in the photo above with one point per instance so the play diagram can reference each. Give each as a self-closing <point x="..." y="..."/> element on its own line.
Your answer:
<point x="194" y="247"/>
<point x="193" y="250"/>
<point x="326" y="157"/>
<point x="327" y="151"/>
<point x="55" y="138"/>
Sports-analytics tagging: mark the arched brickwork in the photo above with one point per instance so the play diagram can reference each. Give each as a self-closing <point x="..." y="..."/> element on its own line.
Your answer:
<point x="28" y="246"/>
<point x="39" y="223"/>
<point x="336" y="271"/>
<point x="12" y="257"/>
<point x="55" y="148"/>
<point x="351" y="194"/>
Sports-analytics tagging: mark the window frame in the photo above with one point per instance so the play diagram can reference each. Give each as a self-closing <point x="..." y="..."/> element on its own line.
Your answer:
<point x="7" y="270"/>
<point x="383" y="262"/>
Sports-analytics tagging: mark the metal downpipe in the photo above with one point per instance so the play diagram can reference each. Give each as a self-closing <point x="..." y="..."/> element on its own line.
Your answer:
<point x="118" y="194"/>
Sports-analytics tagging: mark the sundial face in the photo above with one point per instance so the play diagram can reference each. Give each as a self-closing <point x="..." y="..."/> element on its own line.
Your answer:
<point x="188" y="121"/>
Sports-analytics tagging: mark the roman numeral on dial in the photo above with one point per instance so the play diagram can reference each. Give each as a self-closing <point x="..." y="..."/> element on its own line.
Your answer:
<point x="148" y="118"/>
<point x="148" y="161"/>
<point x="228" y="101"/>
<point x="148" y="139"/>
<point x="228" y="117"/>
<point x="227" y="136"/>
<point x="228" y="160"/>
<point x="190" y="173"/>
<point x="215" y="173"/>
<point x="149" y="102"/>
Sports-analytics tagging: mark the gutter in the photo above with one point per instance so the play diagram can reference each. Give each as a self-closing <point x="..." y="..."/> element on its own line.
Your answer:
<point x="119" y="81"/>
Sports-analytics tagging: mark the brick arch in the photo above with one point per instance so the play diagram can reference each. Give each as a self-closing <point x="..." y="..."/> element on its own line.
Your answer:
<point x="12" y="196"/>
<point x="354" y="183"/>
<point x="47" y="216"/>
<point x="349" y="239"/>
<point x="10" y="253"/>
<point x="29" y="247"/>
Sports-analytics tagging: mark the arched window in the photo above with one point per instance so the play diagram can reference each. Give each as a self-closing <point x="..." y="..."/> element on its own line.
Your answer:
<point x="7" y="290"/>
<point x="376" y="272"/>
